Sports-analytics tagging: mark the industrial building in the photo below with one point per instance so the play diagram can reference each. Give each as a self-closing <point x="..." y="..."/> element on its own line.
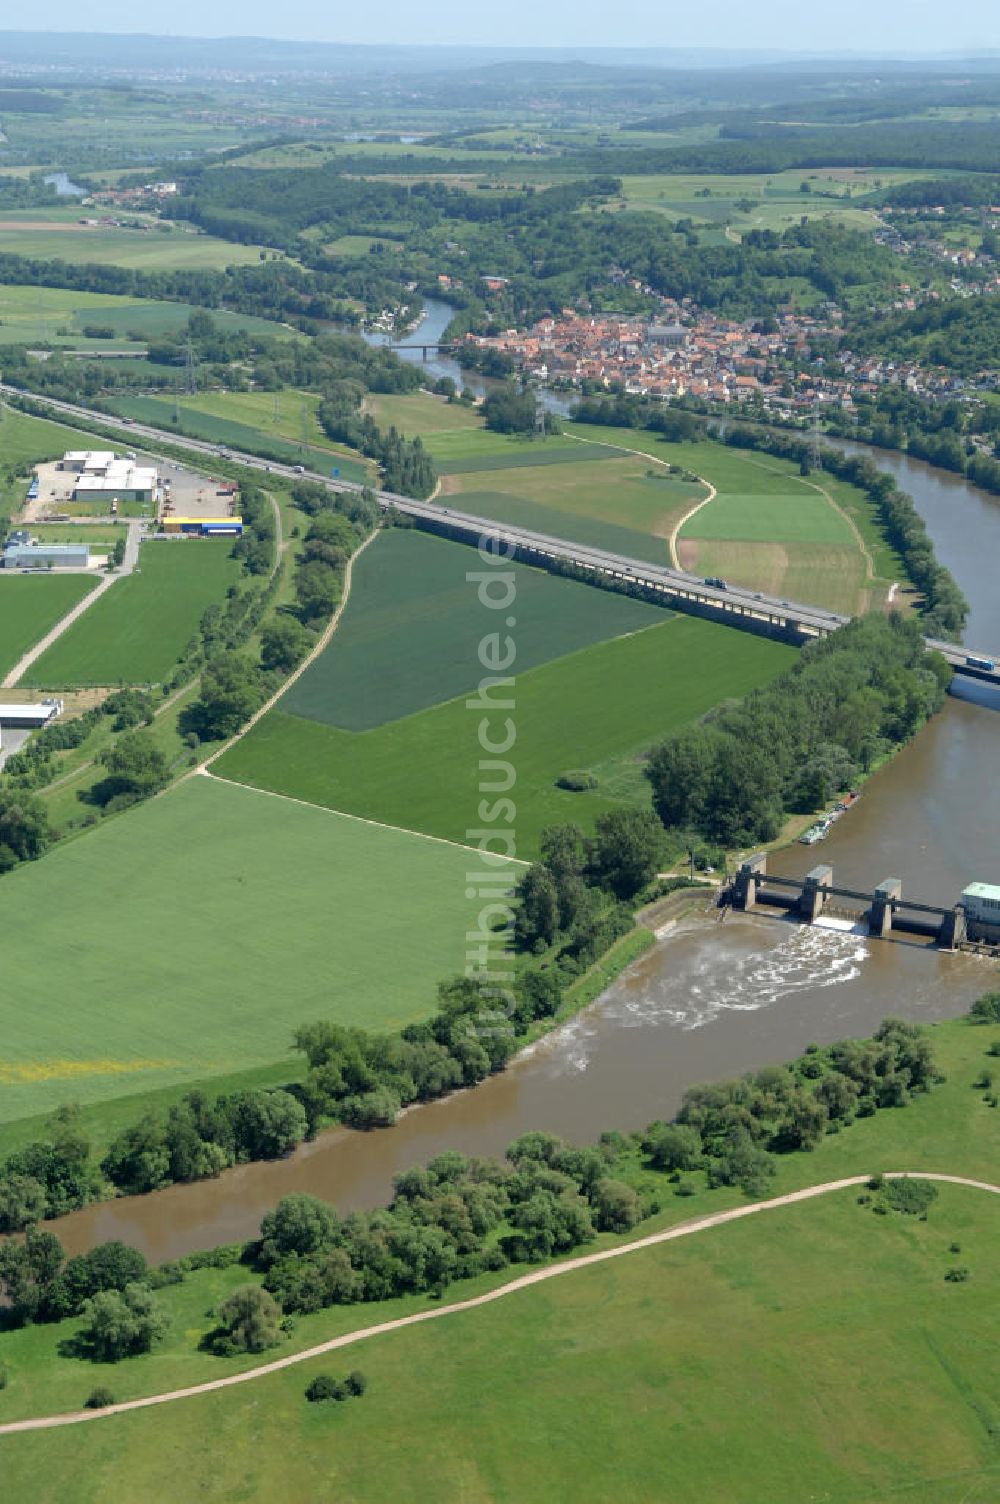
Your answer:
<point x="100" y="473"/>
<point x="981" y="902"/>
<point x="204" y="527"/>
<point x="27" y="555"/>
<point x="24" y="718"/>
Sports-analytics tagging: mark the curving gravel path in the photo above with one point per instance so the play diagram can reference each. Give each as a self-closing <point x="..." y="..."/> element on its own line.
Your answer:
<point x="536" y="1277"/>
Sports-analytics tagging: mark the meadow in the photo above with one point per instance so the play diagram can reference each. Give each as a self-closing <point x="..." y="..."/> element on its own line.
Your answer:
<point x="423" y="414"/>
<point x="25" y="440"/>
<point x="602" y="706"/>
<point x="30" y="605"/>
<point x="411" y="632"/>
<point x="56" y="234"/>
<point x="136" y="632"/>
<point x="803" y="538"/>
<point x="762" y="201"/>
<point x="166" y="937"/>
<point x="813" y="1351"/>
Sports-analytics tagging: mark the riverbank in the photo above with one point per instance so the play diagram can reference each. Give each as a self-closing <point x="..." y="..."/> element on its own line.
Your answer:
<point x="948" y="1130"/>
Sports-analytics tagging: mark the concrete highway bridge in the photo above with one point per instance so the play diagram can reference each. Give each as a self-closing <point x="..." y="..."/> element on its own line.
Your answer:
<point x="733" y="605"/>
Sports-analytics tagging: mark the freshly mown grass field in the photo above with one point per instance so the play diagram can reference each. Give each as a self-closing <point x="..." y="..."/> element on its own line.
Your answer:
<point x="421" y="413"/>
<point x="603" y="706"/>
<point x="784" y="517"/>
<point x="135" y="633"/>
<point x="811" y="1352"/>
<point x="190" y="938"/>
<point x="30" y="605"/>
<point x="411" y="633"/>
<point x="580" y="500"/>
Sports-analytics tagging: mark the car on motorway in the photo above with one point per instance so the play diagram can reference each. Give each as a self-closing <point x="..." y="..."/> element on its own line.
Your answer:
<point x="716" y="583"/>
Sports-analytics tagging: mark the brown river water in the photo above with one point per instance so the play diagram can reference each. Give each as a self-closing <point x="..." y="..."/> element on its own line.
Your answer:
<point x="711" y="999"/>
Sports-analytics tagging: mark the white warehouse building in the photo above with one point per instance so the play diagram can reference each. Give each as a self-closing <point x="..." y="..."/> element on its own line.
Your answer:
<point x="100" y="473"/>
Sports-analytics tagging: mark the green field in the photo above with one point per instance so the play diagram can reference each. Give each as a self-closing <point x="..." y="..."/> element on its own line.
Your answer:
<point x="136" y="632"/>
<point x="191" y="937"/>
<point x="32" y="604"/>
<point x="420" y="413"/>
<point x="814" y="1352"/>
<point x="100" y="536"/>
<point x="59" y="316"/>
<point x="803" y="517"/>
<point x="771" y="529"/>
<point x="759" y="201"/>
<point x="25" y="440"/>
<point x="599" y="708"/>
<point x="411" y="632"/>
<point x="624" y="503"/>
<point x="204" y="418"/>
<point x="56" y="234"/>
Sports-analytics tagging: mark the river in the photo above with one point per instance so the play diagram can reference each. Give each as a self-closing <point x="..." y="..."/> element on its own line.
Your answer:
<point x="710" y="999"/>
<point x="433" y="322"/>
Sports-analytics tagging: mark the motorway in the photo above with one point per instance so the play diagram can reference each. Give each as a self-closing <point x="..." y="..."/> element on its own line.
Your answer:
<point x="732" y="604"/>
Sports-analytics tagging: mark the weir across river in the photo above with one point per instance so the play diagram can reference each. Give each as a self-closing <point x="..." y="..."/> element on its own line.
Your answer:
<point x="885" y="908"/>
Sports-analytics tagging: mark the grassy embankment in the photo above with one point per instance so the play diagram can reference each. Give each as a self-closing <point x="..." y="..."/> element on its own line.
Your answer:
<point x="868" y="1375"/>
<point x="245" y="420"/>
<point x="402" y="746"/>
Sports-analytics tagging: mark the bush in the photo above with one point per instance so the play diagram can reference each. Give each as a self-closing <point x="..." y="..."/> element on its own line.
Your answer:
<point x="957" y="1275"/>
<point x="325" y="1387"/>
<point x="912" y="1197"/>
<point x="248" y="1322"/>
<point x="986" y="1009"/>
<point x="99" y="1398"/>
<point x="356" y="1382"/>
<point x="576" y="782"/>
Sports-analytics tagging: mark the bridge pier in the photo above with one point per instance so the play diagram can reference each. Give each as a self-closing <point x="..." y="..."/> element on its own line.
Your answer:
<point x="813" y="897"/>
<point x="748" y="879"/>
<point x="952" y="931"/>
<point x="880" y="913"/>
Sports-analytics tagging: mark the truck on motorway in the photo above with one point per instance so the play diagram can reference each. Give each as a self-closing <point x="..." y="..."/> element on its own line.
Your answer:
<point x="985" y="663"/>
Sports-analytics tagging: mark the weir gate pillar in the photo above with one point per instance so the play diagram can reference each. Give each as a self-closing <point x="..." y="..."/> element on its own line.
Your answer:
<point x="880" y="913"/>
<point x="814" y="895"/>
<point x="952" y="931"/>
<point x="748" y="879"/>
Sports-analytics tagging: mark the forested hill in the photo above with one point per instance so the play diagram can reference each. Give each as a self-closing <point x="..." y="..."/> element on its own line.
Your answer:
<point x="960" y="334"/>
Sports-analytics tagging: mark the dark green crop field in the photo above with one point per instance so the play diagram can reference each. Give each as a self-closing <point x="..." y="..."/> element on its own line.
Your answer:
<point x="412" y="630"/>
<point x="600" y="708"/>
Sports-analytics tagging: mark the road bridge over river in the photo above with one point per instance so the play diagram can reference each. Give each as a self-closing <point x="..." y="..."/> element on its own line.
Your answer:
<point x="732" y="604"/>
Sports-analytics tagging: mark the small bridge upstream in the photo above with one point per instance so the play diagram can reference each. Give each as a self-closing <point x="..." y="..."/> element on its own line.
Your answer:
<point x="885" y="908"/>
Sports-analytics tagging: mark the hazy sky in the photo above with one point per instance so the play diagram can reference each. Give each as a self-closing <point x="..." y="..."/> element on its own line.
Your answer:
<point x="890" y="26"/>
